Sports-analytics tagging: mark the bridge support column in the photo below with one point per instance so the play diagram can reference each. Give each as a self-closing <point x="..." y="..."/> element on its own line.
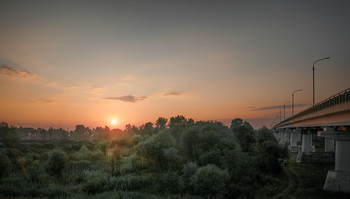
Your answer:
<point x="294" y="139"/>
<point x="282" y="134"/>
<point x="278" y="136"/>
<point x="328" y="145"/>
<point x="306" y="143"/>
<point x="338" y="180"/>
<point x="287" y="137"/>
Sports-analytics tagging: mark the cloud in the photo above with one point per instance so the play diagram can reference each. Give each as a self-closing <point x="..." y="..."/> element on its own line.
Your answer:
<point x="278" y="107"/>
<point x="127" y="98"/>
<point x="16" y="73"/>
<point x="172" y="93"/>
<point x="42" y="101"/>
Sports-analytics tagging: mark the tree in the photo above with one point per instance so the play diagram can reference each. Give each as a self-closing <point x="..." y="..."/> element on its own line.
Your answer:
<point x="56" y="163"/>
<point x="8" y="135"/>
<point x="271" y="156"/>
<point x="264" y="134"/>
<point x="178" y="121"/>
<point x="82" y="132"/>
<point x="236" y="123"/>
<point x="210" y="180"/>
<point x="245" y="136"/>
<point x="147" y="128"/>
<point x="161" y="122"/>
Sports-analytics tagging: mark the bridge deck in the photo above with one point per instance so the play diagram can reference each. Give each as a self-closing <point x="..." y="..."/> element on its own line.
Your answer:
<point x="334" y="111"/>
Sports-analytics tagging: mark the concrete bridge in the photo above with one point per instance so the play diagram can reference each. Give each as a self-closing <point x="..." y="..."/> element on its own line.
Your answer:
<point x="330" y="119"/>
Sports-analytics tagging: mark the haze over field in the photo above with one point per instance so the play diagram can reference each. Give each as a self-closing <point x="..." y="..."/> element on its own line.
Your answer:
<point x="112" y="63"/>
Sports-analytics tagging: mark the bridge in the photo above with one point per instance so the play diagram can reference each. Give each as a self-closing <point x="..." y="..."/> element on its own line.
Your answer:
<point x="330" y="119"/>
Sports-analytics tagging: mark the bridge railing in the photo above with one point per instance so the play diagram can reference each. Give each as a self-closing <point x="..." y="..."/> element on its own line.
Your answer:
<point x="336" y="99"/>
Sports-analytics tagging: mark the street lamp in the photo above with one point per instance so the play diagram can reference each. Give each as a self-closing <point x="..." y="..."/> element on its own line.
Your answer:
<point x="293" y="100"/>
<point x="284" y="110"/>
<point x="313" y="80"/>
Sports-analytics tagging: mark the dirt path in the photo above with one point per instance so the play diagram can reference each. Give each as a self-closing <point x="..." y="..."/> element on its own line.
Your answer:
<point x="293" y="185"/>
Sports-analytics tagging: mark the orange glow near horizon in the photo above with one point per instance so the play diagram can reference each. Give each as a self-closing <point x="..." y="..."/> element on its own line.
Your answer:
<point x="92" y="64"/>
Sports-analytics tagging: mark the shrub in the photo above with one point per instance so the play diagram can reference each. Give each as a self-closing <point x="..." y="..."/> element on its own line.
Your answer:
<point x="36" y="173"/>
<point x="94" y="181"/>
<point x="136" y="139"/>
<point x="264" y="134"/>
<point x="210" y="180"/>
<point x="172" y="158"/>
<point x="129" y="182"/>
<point x="152" y="149"/>
<point x="245" y="137"/>
<point x="190" y="143"/>
<point x="271" y="156"/>
<point x="122" y="194"/>
<point x="9" y="191"/>
<point x="212" y="157"/>
<point x="83" y="154"/>
<point x="5" y="165"/>
<point x="56" y="163"/>
<point x="170" y="182"/>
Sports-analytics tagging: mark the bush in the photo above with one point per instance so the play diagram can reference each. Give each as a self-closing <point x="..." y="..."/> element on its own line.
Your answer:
<point x="188" y="171"/>
<point x="271" y="156"/>
<point x="5" y="165"/>
<point x="152" y="149"/>
<point x="264" y="134"/>
<point x="121" y="194"/>
<point x="94" y="181"/>
<point x="56" y="163"/>
<point x="172" y="158"/>
<point x="129" y="182"/>
<point x="245" y="137"/>
<point x="83" y="154"/>
<point x="210" y="180"/>
<point x="190" y="143"/>
<point x="36" y="173"/>
<point x="170" y="182"/>
<point x="10" y="191"/>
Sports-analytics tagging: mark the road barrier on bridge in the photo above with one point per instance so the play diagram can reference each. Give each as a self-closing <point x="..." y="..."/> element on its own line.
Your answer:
<point x="336" y="99"/>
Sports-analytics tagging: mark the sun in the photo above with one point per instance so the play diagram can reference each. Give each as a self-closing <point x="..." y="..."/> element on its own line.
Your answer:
<point x="114" y="121"/>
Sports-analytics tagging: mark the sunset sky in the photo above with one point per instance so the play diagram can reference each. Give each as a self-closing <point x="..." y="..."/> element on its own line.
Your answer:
<point x="64" y="63"/>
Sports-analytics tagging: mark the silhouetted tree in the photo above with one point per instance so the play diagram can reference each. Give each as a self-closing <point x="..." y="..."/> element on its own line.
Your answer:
<point x="147" y="128"/>
<point x="161" y="122"/>
<point x="244" y="133"/>
<point x="178" y="121"/>
<point x="8" y="135"/>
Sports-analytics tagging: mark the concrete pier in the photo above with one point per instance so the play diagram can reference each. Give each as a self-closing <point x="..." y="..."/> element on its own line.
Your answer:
<point x="338" y="180"/>
<point x="306" y="145"/>
<point x="328" y="145"/>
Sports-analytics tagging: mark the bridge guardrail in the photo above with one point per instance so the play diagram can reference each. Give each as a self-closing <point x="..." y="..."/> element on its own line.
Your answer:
<point x="338" y="98"/>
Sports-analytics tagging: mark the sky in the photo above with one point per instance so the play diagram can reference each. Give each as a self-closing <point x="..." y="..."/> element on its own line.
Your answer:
<point x="64" y="63"/>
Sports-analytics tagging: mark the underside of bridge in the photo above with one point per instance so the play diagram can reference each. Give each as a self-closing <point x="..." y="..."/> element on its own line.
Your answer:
<point x="329" y="119"/>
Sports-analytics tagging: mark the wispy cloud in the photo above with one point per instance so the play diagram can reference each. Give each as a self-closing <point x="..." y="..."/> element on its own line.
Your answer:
<point x="277" y="107"/>
<point x="173" y="93"/>
<point x="127" y="98"/>
<point x="42" y="101"/>
<point x="16" y="73"/>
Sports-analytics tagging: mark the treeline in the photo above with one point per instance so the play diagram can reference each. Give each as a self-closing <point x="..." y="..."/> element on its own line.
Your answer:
<point x="179" y="158"/>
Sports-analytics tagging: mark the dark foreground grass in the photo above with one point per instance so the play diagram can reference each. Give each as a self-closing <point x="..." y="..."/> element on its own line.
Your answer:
<point x="307" y="180"/>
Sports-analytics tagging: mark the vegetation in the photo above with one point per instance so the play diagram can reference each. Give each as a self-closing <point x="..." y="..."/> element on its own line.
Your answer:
<point x="179" y="159"/>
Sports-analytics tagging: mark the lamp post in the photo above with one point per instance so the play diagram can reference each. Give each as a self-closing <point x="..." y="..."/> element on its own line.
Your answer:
<point x="293" y="100"/>
<point x="313" y="79"/>
<point x="284" y="110"/>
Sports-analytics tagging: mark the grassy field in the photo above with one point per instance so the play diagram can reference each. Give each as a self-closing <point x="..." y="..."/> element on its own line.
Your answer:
<point x="306" y="180"/>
